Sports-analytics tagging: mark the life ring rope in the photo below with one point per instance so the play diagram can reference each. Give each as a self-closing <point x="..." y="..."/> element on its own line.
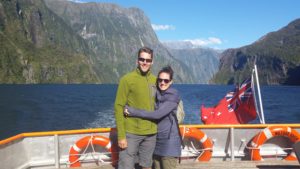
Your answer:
<point x="206" y="152"/>
<point x="269" y="133"/>
<point x="77" y="149"/>
<point x="86" y="142"/>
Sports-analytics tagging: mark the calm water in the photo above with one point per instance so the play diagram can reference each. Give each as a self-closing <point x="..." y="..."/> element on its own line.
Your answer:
<point x="27" y="108"/>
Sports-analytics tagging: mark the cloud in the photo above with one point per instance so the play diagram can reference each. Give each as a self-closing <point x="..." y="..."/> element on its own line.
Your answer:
<point x="210" y="42"/>
<point x="162" y="27"/>
<point x="77" y="1"/>
<point x="205" y="42"/>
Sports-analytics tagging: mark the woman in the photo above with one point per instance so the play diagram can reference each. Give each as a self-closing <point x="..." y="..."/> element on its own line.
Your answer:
<point x="168" y="143"/>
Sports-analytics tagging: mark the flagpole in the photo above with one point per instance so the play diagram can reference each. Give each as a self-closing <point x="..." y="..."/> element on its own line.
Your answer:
<point x="259" y="96"/>
<point x="254" y="96"/>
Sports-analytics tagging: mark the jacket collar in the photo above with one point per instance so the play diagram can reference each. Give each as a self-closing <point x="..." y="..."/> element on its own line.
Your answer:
<point x="138" y="71"/>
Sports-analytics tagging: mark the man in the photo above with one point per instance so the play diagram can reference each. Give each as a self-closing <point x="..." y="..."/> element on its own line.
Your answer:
<point x="136" y="136"/>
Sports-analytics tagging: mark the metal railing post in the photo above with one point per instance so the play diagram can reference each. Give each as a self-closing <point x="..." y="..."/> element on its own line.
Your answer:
<point x="232" y="143"/>
<point x="56" y="147"/>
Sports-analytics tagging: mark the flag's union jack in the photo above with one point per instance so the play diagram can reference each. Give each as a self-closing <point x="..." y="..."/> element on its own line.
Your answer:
<point x="240" y="95"/>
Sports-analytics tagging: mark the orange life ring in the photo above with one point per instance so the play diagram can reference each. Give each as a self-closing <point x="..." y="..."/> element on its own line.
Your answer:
<point x="268" y="133"/>
<point x="201" y="137"/>
<point x="85" y="141"/>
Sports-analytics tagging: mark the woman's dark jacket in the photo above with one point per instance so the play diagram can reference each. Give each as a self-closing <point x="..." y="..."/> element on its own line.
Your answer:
<point x="168" y="141"/>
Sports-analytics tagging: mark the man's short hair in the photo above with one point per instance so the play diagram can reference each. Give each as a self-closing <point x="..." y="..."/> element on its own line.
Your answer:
<point x="146" y="50"/>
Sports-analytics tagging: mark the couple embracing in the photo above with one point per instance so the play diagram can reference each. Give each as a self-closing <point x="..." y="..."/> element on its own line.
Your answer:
<point x="146" y="123"/>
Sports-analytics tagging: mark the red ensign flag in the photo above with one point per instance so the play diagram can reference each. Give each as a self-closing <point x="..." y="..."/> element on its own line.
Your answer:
<point x="237" y="107"/>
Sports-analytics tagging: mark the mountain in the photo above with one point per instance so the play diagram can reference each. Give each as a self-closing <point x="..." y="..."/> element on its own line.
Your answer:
<point x="36" y="46"/>
<point x="276" y="54"/>
<point x="115" y="34"/>
<point x="178" y="44"/>
<point x="202" y="63"/>
<point x="58" y="41"/>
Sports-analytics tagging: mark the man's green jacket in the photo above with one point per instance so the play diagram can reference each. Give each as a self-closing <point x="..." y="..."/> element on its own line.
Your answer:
<point x="137" y="91"/>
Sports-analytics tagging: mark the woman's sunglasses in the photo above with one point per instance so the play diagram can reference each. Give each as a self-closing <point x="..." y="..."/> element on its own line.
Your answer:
<point x="143" y="60"/>
<point x="165" y="80"/>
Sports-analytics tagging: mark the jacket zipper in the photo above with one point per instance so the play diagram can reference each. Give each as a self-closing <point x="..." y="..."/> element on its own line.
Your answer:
<point x="150" y="94"/>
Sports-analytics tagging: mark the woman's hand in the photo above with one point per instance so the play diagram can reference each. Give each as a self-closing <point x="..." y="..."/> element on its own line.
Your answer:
<point x="126" y="113"/>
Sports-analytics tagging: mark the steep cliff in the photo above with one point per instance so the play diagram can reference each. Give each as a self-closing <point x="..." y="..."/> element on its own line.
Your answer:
<point x="115" y="34"/>
<point x="36" y="46"/>
<point x="277" y="56"/>
<point x="64" y="42"/>
<point x="202" y="63"/>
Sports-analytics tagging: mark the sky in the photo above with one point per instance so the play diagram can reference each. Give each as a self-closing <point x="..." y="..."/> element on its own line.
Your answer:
<point x="219" y="24"/>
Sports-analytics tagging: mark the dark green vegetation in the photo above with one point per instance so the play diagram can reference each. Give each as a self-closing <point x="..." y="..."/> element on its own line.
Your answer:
<point x="277" y="56"/>
<point x="36" y="46"/>
<point x="50" y="41"/>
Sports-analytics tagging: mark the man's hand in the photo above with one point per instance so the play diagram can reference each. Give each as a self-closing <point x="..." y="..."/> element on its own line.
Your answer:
<point x="122" y="143"/>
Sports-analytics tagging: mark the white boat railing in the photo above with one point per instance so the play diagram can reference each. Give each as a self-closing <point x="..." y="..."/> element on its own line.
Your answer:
<point x="51" y="149"/>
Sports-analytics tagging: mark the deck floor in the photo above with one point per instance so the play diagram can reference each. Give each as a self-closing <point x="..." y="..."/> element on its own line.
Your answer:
<point x="226" y="165"/>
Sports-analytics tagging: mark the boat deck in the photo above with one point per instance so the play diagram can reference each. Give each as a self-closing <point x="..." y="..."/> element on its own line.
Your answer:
<point x="277" y="164"/>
